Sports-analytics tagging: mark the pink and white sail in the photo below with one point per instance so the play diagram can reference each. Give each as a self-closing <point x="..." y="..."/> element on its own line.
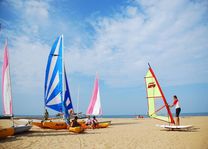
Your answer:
<point x="6" y="84"/>
<point x="95" y="104"/>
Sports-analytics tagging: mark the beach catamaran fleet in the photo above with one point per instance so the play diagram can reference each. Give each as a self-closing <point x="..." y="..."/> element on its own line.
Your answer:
<point x="57" y="95"/>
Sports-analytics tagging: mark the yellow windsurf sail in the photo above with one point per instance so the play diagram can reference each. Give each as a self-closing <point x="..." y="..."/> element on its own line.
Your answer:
<point x="157" y="104"/>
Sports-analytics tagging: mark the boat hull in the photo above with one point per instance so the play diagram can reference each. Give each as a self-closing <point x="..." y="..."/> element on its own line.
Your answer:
<point x="55" y="125"/>
<point x="6" y="132"/>
<point x="38" y="124"/>
<point x="103" y="124"/>
<point x="76" y="129"/>
<point x="21" y="128"/>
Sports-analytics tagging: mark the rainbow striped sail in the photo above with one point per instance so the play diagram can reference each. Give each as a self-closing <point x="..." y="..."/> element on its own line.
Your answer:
<point x="6" y="84"/>
<point x="157" y="105"/>
<point x="94" y="107"/>
<point x="56" y="93"/>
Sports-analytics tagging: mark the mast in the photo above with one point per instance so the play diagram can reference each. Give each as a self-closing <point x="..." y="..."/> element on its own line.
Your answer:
<point x="78" y="101"/>
<point x="63" y="78"/>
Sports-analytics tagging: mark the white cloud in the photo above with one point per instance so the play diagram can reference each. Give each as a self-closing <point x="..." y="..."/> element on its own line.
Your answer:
<point x="28" y="62"/>
<point x="37" y="10"/>
<point x="32" y="10"/>
<point x="132" y="11"/>
<point x="30" y="15"/>
<point x="172" y="36"/>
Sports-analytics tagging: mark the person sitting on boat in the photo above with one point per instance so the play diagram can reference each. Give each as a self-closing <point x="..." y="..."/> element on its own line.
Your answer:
<point x="46" y="115"/>
<point x="88" y="121"/>
<point x="177" y="107"/>
<point x="74" y="122"/>
<point x="94" y="122"/>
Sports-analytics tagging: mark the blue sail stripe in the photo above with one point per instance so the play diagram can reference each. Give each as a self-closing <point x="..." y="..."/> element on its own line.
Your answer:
<point x="55" y="92"/>
<point x="54" y="85"/>
<point x="57" y="107"/>
<point x="55" y="100"/>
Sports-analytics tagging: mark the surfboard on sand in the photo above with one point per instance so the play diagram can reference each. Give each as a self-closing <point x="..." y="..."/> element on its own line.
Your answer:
<point x="174" y="127"/>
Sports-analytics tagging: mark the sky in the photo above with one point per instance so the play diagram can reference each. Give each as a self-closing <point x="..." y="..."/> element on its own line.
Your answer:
<point x="115" y="38"/>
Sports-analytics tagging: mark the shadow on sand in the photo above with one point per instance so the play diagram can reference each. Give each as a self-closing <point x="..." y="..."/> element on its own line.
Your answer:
<point x="55" y="133"/>
<point x="43" y="133"/>
<point x="8" y="139"/>
<point x="124" y="123"/>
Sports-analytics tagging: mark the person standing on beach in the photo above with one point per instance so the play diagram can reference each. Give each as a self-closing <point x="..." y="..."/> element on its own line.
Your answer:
<point x="46" y="115"/>
<point x="178" y="109"/>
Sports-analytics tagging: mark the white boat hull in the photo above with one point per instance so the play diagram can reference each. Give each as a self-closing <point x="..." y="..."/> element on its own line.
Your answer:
<point x="21" y="128"/>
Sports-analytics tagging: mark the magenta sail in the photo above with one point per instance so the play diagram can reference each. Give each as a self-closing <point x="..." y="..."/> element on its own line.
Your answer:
<point x="6" y="84"/>
<point x="95" y="104"/>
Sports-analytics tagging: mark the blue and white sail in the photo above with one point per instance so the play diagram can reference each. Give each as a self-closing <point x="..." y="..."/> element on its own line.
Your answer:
<point x="56" y="86"/>
<point x="67" y="98"/>
<point x="53" y="94"/>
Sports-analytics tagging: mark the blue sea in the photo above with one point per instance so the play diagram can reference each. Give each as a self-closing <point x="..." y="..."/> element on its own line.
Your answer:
<point x="144" y="115"/>
<point x="117" y="116"/>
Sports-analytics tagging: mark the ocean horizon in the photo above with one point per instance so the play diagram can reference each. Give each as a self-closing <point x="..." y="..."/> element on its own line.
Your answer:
<point x="116" y="116"/>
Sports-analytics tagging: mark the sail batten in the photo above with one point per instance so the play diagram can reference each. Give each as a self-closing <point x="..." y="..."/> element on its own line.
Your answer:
<point x="154" y="95"/>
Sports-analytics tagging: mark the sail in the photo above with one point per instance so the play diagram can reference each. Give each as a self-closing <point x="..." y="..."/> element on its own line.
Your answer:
<point x="156" y="99"/>
<point x="6" y="84"/>
<point x="95" y="104"/>
<point x="67" y="98"/>
<point x="54" y="77"/>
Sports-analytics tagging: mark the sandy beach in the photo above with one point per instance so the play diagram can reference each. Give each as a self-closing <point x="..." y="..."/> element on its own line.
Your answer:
<point x="123" y="133"/>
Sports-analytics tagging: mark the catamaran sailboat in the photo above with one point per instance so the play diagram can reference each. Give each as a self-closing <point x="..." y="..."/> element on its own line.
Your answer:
<point x="7" y="99"/>
<point x="56" y="91"/>
<point x="94" y="107"/>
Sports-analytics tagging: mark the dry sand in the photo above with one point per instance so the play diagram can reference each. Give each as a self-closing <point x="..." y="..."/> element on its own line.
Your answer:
<point x="123" y="133"/>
